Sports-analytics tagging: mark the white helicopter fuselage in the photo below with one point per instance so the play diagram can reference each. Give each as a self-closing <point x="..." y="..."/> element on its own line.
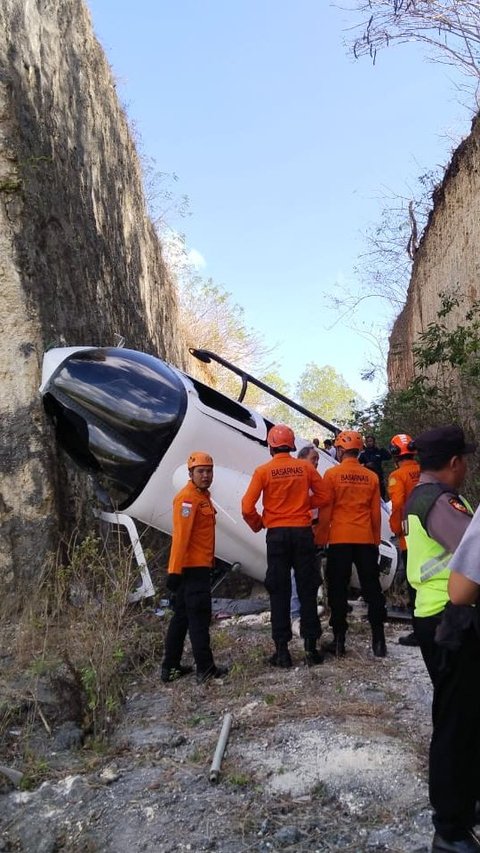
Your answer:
<point x="96" y="420"/>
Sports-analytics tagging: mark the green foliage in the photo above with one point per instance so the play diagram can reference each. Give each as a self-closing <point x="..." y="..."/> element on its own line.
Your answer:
<point x="446" y="386"/>
<point x="324" y="391"/>
<point x="36" y="770"/>
<point x="441" y="346"/>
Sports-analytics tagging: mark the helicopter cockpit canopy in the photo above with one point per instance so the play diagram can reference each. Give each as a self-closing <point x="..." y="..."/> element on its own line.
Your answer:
<point x="116" y="412"/>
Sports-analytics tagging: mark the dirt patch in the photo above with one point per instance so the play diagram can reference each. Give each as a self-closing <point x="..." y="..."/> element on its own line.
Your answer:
<point x="331" y="758"/>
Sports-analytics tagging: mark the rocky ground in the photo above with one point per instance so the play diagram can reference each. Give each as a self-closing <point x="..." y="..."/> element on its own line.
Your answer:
<point x="331" y="758"/>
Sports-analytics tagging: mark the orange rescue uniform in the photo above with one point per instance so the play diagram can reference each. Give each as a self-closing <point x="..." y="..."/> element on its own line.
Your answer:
<point x="193" y="537"/>
<point x="285" y="483"/>
<point x="353" y="512"/>
<point x="400" y="484"/>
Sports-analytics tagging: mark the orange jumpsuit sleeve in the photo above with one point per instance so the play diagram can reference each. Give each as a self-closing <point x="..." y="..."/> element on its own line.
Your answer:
<point x="249" y="503"/>
<point x="396" y="493"/>
<point x="318" y="496"/>
<point x="182" y="531"/>
<point x="376" y="514"/>
<point x="325" y="513"/>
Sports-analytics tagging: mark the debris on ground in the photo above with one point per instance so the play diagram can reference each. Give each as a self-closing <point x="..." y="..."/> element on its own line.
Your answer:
<point x="325" y="758"/>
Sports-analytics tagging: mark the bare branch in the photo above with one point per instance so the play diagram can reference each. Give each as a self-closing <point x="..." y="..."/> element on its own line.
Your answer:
<point x="450" y="28"/>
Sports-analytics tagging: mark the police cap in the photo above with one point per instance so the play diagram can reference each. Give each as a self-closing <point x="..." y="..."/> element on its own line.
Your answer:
<point x="441" y="443"/>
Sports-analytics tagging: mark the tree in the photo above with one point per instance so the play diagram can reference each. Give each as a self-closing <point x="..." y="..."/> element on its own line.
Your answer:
<point x="450" y="28"/>
<point x="325" y="392"/>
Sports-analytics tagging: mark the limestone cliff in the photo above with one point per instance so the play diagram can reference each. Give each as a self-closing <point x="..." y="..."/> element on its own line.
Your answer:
<point x="447" y="260"/>
<point x="79" y="258"/>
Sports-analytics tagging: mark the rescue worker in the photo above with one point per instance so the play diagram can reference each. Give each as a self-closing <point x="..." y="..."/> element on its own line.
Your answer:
<point x="289" y="489"/>
<point x="191" y="560"/>
<point x="373" y="457"/>
<point x="400" y="484"/>
<point x="436" y="517"/>
<point x="353" y="519"/>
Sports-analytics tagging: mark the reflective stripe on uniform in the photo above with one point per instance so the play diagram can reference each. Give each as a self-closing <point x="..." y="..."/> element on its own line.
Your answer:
<point x="434" y="566"/>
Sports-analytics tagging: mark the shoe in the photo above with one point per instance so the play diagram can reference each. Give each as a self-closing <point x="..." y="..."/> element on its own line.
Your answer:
<point x="281" y="657"/>
<point x="408" y="640"/>
<point x="469" y="844"/>
<point x="379" y="645"/>
<point x="312" y="656"/>
<point x="213" y="672"/>
<point x="336" y="646"/>
<point x="173" y="673"/>
<point x="379" y="649"/>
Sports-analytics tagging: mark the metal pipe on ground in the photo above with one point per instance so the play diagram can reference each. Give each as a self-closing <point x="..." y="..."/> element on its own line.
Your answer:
<point x="14" y="775"/>
<point x="220" y="748"/>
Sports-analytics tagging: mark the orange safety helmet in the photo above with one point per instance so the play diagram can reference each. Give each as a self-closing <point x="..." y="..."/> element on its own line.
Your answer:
<point x="281" y="435"/>
<point x="198" y="457"/>
<point x="401" y="445"/>
<point x="349" y="439"/>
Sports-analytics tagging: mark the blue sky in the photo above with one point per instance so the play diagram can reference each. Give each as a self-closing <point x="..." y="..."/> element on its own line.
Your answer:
<point x="284" y="144"/>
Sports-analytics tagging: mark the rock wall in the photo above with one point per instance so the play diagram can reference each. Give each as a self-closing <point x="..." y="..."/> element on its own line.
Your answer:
<point x="79" y="258"/>
<point x="447" y="260"/>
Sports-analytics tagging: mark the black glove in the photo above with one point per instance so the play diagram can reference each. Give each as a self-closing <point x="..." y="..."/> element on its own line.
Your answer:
<point x="173" y="582"/>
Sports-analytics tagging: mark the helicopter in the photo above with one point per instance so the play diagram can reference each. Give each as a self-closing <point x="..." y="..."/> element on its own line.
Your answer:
<point x="131" y="420"/>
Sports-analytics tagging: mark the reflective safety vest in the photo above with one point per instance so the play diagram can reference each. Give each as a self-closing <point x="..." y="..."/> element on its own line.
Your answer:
<point x="428" y="561"/>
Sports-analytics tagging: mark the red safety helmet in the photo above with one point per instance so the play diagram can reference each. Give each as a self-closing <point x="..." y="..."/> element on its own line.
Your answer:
<point x="198" y="457"/>
<point x="349" y="439"/>
<point x="281" y="435"/>
<point x="401" y="445"/>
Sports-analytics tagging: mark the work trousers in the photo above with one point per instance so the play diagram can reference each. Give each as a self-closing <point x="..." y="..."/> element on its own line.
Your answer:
<point x="339" y="569"/>
<point x="192" y="612"/>
<point x="454" y="767"/>
<point x="292" y="548"/>
<point x="411" y="592"/>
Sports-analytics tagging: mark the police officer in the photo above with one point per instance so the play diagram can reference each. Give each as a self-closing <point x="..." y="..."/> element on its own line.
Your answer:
<point x="289" y="488"/>
<point x="191" y="560"/>
<point x="353" y="518"/>
<point x="436" y="517"/>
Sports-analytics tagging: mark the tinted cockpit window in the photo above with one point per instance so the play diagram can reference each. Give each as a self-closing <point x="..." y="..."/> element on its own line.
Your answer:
<point x="223" y="404"/>
<point x="116" y="412"/>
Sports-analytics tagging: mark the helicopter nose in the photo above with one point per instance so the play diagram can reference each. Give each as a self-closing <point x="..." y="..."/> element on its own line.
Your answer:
<point x="115" y="412"/>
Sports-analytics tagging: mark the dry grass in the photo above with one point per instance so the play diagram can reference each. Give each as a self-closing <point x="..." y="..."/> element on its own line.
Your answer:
<point x="260" y="697"/>
<point x="77" y="639"/>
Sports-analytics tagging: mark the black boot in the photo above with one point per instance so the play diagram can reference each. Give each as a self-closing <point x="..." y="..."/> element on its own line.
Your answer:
<point x="173" y="673"/>
<point x="213" y="672"/>
<point x="408" y="640"/>
<point x="281" y="657"/>
<point x="378" y="641"/>
<point x="312" y="656"/>
<point x="468" y="844"/>
<point x="337" y="646"/>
